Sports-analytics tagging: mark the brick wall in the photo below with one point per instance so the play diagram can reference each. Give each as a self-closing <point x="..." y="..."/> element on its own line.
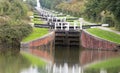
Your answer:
<point x="92" y="42"/>
<point x="41" y="47"/>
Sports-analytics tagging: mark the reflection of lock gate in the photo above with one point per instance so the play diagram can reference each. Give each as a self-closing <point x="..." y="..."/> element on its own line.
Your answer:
<point x="64" y="69"/>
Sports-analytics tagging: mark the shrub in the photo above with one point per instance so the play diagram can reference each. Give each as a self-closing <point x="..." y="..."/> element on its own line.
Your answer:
<point x="11" y="36"/>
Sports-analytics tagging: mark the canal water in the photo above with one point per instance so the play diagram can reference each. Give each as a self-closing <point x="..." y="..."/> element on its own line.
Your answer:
<point x="60" y="60"/>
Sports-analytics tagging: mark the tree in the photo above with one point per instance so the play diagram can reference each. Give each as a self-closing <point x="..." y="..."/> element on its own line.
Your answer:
<point x="95" y="7"/>
<point x="12" y="27"/>
<point x="50" y="4"/>
<point x="33" y="3"/>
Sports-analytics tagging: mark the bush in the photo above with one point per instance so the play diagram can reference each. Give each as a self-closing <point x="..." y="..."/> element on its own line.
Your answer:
<point x="24" y="29"/>
<point x="12" y="28"/>
<point x="11" y="36"/>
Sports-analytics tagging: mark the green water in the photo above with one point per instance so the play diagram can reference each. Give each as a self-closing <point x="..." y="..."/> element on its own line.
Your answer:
<point x="18" y="64"/>
<point x="63" y="61"/>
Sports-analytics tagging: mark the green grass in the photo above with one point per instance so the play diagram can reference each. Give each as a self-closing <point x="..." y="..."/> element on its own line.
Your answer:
<point x="38" y="21"/>
<point x="37" y="33"/>
<point x="76" y="21"/>
<point x="111" y="63"/>
<point x="36" y="15"/>
<point x="33" y="59"/>
<point x="107" y="35"/>
<point x="67" y="17"/>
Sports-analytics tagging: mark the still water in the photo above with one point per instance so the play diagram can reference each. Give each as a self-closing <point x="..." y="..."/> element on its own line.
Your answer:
<point x="60" y="60"/>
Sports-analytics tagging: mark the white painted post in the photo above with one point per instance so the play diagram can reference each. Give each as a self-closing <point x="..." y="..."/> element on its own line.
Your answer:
<point x="61" y="25"/>
<point x="81" y="23"/>
<point x="74" y="26"/>
<point x="68" y="25"/>
<point x="64" y="19"/>
<point x="55" y="26"/>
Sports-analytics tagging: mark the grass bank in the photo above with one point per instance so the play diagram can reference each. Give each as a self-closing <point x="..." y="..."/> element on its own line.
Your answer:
<point x="33" y="59"/>
<point x="38" y="21"/>
<point x="37" y="33"/>
<point x="107" y="35"/>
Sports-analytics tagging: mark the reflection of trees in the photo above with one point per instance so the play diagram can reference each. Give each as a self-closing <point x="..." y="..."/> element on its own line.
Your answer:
<point x="13" y="64"/>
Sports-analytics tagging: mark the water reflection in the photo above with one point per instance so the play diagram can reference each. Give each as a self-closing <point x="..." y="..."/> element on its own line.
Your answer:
<point x="72" y="60"/>
<point x="66" y="60"/>
<point x="91" y="56"/>
<point x="62" y="60"/>
<point x="31" y="69"/>
<point x="9" y="64"/>
<point x="34" y="69"/>
<point x="66" y="55"/>
<point x="18" y="64"/>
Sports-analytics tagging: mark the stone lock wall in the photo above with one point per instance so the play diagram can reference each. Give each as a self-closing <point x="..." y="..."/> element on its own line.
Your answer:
<point x="92" y="42"/>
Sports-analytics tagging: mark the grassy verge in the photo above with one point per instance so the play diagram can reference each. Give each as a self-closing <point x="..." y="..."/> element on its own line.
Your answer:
<point x="75" y="21"/>
<point x="107" y="35"/>
<point x="38" y="21"/>
<point x="33" y="59"/>
<point x="37" y="33"/>
<point x="68" y="17"/>
<point x="111" y="63"/>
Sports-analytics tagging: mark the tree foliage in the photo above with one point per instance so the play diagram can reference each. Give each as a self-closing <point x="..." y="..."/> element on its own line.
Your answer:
<point x="12" y="26"/>
<point x="104" y="11"/>
<point x="13" y="8"/>
<point x="109" y="8"/>
<point x="11" y="36"/>
<point x="50" y="4"/>
<point x="33" y="3"/>
<point x="72" y="8"/>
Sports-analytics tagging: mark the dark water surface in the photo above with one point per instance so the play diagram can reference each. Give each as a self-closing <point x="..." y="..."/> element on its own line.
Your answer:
<point x="62" y="60"/>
